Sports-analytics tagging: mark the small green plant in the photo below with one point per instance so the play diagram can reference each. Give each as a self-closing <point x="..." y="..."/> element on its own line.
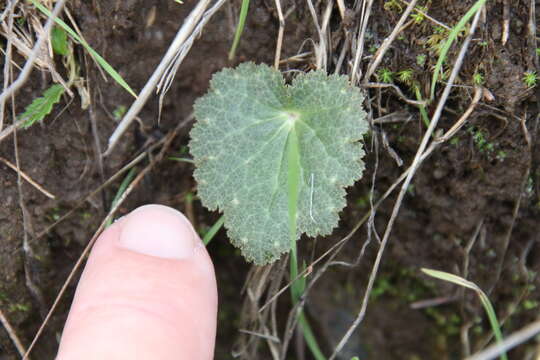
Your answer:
<point x="480" y="140"/>
<point x="421" y="59"/>
<point x="18" y="307"/>
<point x="501" y="155"/>
<point x="436" y="40"/>
<point x="119" y="112"/>
<point x="418" y="16"/>
<point x="392" y="5"/>
<point x="406" y="76"/>
<point x="275" y="158"/>
<point x="530" y="78"/>
<point x="478" y="78"/>
<point x="385" y="75"/>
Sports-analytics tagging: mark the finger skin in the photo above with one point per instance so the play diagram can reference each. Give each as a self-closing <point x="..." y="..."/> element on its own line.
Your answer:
<point x="130" y="305"/>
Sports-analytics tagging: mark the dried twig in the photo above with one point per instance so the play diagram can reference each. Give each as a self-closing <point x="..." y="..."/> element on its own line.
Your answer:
<point x="397" y="90"/>
<point x="27" y="178"/>
<point x="426" y="15"/>
<point x="386" y="43"/>
<point x="28" y="66"/>
<point x="12" y="335"/>
<point x="508" y="343"/>
<point x="414" y="167"/>
<point x="170" y="58"/>
<point x="506" y="22"/>
<point x="280" y="34"/>
<point x="358" y="45"/>
<point x="7" y="57"/>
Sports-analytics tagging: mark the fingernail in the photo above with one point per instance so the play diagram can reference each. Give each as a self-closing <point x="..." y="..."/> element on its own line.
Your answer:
<point x="160" y="231"/>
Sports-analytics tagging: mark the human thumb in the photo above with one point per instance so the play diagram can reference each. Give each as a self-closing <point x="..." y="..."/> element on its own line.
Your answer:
<point x="148" y="291"/>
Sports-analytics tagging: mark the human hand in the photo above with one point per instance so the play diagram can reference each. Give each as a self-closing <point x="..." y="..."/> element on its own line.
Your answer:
<point x="148" y="291"/>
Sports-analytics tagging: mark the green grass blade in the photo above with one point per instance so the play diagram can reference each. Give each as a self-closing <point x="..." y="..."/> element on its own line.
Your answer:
<point x="492" y="316"/>
<point x="101" y="61"/>
<point x="311" y="341"/>
<point x="213" y="231"/>
<point x="175" y="158"/>
<point x="239" y="28"/>
<point x="297" y="287"/>
<point x="121" y="189"/>
<point x="422" y="108"/>
<point x="451" y="38"/>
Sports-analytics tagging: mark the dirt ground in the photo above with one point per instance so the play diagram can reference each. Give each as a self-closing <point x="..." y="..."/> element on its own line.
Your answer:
<point x="472" y="208"/>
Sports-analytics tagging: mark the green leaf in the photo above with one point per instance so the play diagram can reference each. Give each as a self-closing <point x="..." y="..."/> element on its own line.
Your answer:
<point x="41" y="106"/>
<point x="59" y="41"/>
<point x="239" y="146"/>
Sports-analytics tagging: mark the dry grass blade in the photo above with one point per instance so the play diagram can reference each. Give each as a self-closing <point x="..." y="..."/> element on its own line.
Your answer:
<point x="280" y="34"/>
<point x="27" y="178"/>
<point x="321" y="55"/>
<point x="388" y="41"/>
<point x="360" y="40"/>
<point x="414" y="167"/>
<point x="7" y="57"/>
<point x="28" y="66"/>
<point x="183" y="34"/>
<point x="12" y="335"/>
<point x="168" y="76"/>
<point x="508" y="343"/>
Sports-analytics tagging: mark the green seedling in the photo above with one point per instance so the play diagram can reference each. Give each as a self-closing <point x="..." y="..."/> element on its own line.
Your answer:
<point x="274" y="157"/>
<point x="385" y="75"/>
<point x="418" y="16"/>
<point x="18" y="308"/>
<point x="393" y="5"/>
<point x="119" y="112"/>
<point x="436" y="40"/>
<point x="492" y="316"/>
<point x="405" y="76"/>
<point x="478" y="78"/>
<point x="530" y="78"/>
<point x="421" y="59"/>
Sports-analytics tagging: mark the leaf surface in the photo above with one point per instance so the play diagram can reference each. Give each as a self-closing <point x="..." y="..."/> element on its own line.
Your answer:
<point x="41" y="106"/>
<point x="239" y="146"/>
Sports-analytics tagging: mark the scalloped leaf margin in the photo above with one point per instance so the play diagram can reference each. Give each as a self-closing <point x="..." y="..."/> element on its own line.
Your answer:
<point x="239" y="145"/>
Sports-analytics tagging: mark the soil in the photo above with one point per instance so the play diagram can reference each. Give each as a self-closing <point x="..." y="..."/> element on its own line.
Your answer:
<point x="482" y="185"/>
